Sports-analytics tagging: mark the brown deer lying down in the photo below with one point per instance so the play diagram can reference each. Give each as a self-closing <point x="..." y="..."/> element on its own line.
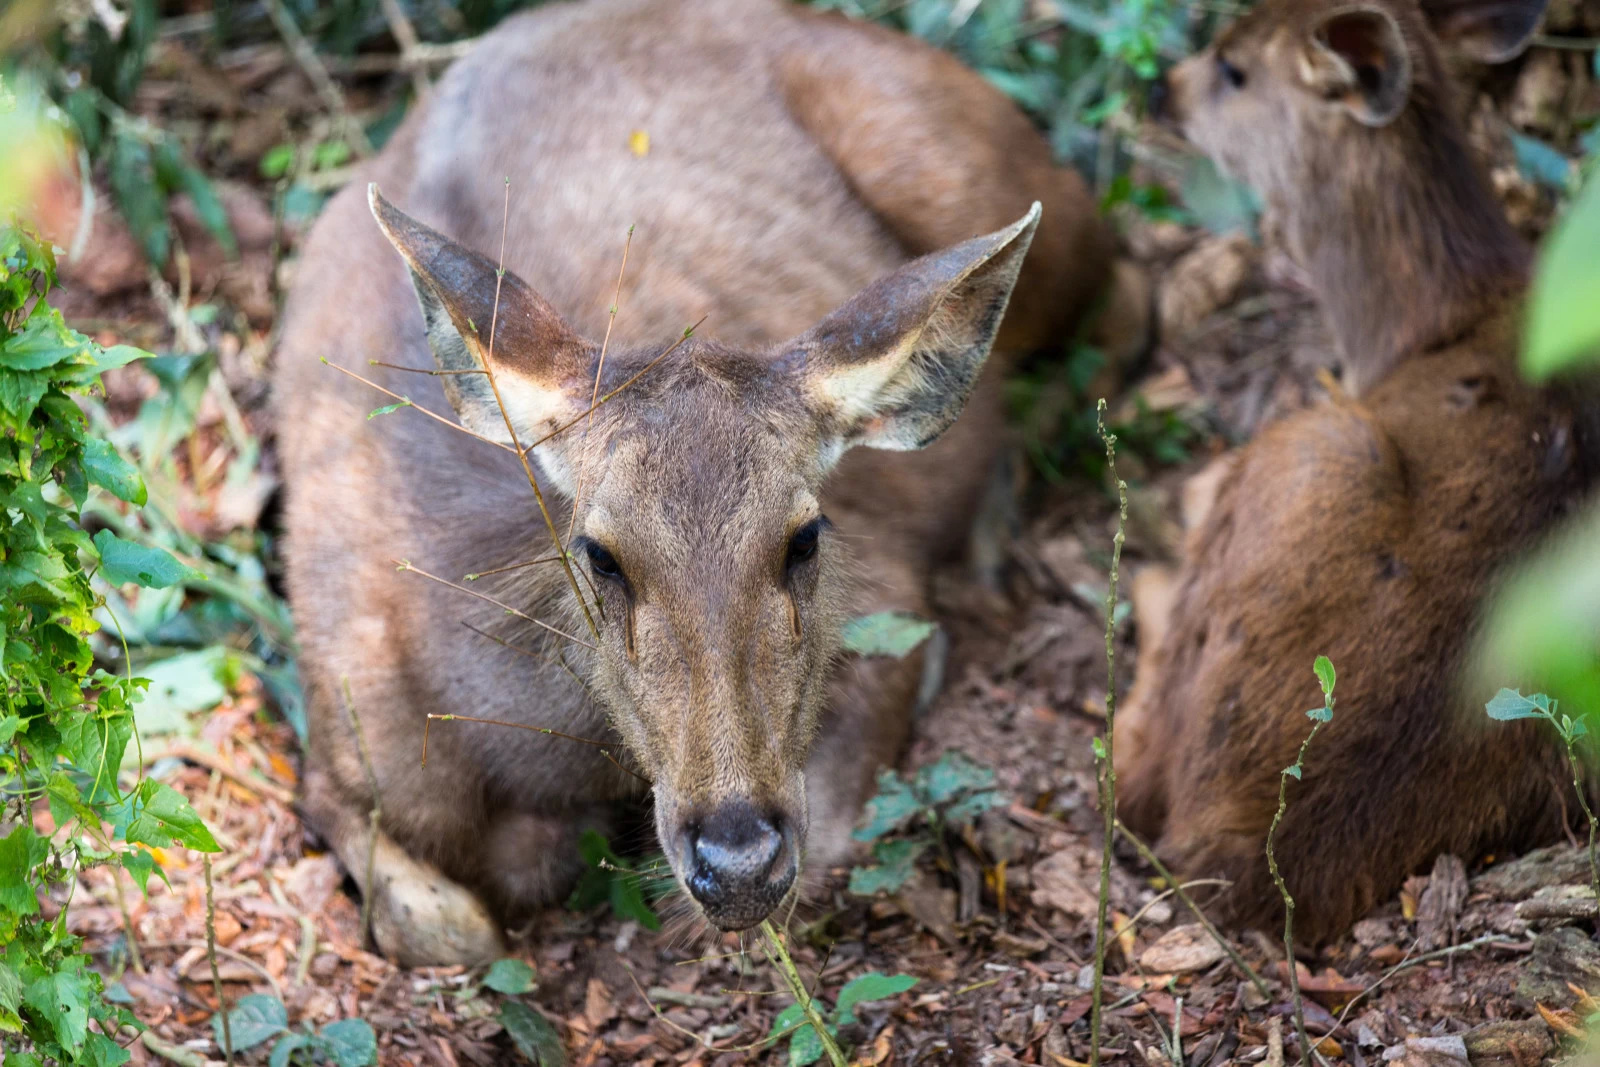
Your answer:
<point x="1370" y="528"/>
<point x="796" y="165"/>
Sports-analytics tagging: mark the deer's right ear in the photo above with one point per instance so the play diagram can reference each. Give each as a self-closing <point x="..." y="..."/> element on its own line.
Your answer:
<point x="542" y="368"/>
<point x="1489" y="31"/>
<point x="893" y="367"/>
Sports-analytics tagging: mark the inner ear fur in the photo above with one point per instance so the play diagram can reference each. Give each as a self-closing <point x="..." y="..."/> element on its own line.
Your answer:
<point x="1358" y="56"/>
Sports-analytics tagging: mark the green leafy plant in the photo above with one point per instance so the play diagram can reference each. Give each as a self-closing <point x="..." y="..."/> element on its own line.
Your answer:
<point x="1320" y="717"/>
<point x="261" y="1017"/>
<point x="1510" y="705"/>
<point x="805" y="1042"/>
<point x="1563" y="331"/>
<point x="908" y="816"/>
<point x="64" y="725"/>
<point x="612" y="880"/>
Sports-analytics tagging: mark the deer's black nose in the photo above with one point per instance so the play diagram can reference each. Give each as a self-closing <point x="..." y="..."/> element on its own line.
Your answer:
<point x="741" y="864"/>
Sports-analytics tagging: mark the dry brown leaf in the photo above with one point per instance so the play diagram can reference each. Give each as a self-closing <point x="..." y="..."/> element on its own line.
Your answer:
<point x="1563" y="1022"/>
<point x="1182" y="950"/>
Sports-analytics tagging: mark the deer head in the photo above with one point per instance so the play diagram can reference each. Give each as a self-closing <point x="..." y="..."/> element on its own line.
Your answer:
<point x="696" y="500"/>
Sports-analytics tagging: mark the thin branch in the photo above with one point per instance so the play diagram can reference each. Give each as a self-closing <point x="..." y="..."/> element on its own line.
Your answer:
<point x="405" y="35"/>
<point x="599" y="369"/>
<point x="216" y="973"/>
<point x="802" y="996"/>
<point x="1108" y="771"/>
<point x="1188" y="901"/>
<point x="605" y="749"/>
<point x="1488" y="940"/>
<point x="555" y="661"/>
<point x="436" y="417"/>
<point x="522" y="454"/>
<point x="564" y="427"/>
<point x="375" y="816"/>
<point x="511" y="567"/>
<point x="305" y="56"/>
<point x="435" y="372"/>
<point x="405" y="565"/>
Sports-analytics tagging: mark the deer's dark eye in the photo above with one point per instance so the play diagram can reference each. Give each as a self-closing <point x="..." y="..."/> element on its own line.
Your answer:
<point x="803" y="543"/>
<point x="1230" y="73"/>
<point x="603" y="562"/>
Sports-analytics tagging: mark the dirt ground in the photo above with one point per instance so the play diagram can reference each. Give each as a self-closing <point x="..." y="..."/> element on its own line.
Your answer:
<point x="999" y="937"/>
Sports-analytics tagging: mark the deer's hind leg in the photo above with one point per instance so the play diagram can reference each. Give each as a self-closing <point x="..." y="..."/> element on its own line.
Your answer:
<point x="940" y="156"/>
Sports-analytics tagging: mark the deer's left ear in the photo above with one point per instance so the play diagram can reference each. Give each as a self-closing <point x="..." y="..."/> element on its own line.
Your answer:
<point x="1357" y="56"/>
<point x="893" y="367"/>
<point x="1489" y="31"/>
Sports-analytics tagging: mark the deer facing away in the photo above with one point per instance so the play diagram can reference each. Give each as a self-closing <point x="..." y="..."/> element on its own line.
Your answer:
<point x="1370" y="528"/>
<point x="729" y="510"/>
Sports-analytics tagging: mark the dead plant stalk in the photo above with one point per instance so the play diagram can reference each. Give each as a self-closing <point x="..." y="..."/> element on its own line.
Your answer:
<point x="1103" y="750"/>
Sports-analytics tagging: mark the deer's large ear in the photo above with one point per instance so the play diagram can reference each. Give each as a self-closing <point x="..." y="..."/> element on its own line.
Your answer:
<point x="1357" y="56"/>
<point x="893" y="367"/>
<point x="542" y="368"/>
<point x="1489" y="31"/>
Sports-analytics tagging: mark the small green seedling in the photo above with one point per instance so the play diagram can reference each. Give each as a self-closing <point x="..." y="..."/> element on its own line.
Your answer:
<point x="1510" y="705"/>
<point x="1319" y="717"/>
<point x="918" y="811"/>
<point x="805" y="1044"/>
<point x="611" y="879"/>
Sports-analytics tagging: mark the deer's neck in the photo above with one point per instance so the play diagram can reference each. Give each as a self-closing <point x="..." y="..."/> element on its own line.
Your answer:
<point x="1414" y="252"/>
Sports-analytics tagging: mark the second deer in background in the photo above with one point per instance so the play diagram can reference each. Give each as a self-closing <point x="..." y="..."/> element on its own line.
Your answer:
<point x="1373" y="527"/>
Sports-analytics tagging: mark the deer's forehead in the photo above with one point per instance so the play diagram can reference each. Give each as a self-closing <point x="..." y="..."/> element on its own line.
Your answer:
<point x="727" y="485"/>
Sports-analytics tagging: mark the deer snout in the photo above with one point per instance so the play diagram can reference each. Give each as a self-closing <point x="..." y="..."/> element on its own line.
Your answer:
<point x="741" y="863"/>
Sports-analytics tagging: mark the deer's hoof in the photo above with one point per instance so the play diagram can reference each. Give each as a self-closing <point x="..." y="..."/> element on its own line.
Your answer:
<point x="420" y="918"/>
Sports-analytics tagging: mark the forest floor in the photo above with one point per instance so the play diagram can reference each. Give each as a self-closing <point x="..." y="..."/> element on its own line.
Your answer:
<point x="998" y="932"/>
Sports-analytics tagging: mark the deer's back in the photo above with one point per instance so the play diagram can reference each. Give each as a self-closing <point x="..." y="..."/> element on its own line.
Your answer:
<point x="1371" y="532"/>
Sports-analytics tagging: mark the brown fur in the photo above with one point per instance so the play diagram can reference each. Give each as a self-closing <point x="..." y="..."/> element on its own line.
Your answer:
<point x="768" y="197"/>
<point x="1369" y="529"/>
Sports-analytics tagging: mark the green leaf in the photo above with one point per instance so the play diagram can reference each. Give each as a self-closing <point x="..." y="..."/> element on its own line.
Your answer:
<point x="179" y="687"/>
<point x="1098" y="746"/>
<point x="62" y="998"/>
<point x="897" y="861"/>
<point x="509" y="976"/>
<point x="627" y="900"/>
<point x="388" y="409"/>
<point x="1541" y="163"/>
<point x="953" y="775"/>
<point x="9" y="725"/>
<point x="124" y="561"/>
<point x="276" y="161"/>
<point x="894" y="805"/>
<point x="20" y="852"/>
<point x="1320" y="714"/>
<point x="10" y="1000"/>
<point x="970" y="807"/>
<point x="286" y="1047"/>
<point x="156" y="814"/>
<point x="787" y="1019"/>
<point x="886" y="633"/>
<point x="1325" y="674"/>
<point x="533" y="1035"/>
<point x="106" y="468"/>
<point x="805" y="1047"/>
<point x="141" y="865"/>
<point x="41" y="343"/>
<point x="867" y="988"/>
<point x="101" y="1051"/>
<point x="1509" y="704"/>
<point x="352" y="1042"/>
<point x="1293" y="771"/>
<point x="1563" y="330"/>
<point x="254" y="1020"/>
